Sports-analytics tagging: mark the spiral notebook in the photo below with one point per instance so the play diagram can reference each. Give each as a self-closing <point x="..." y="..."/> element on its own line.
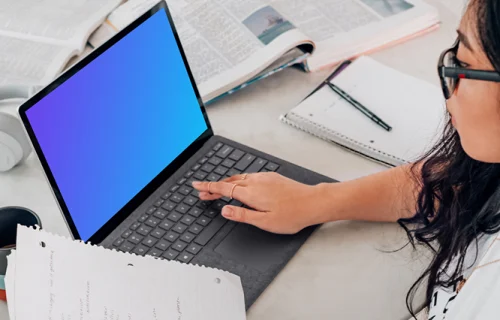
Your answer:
<point x="415" y="109"/>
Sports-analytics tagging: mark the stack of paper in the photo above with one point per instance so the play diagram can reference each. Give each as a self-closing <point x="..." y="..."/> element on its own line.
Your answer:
<point x="50" y="277"/>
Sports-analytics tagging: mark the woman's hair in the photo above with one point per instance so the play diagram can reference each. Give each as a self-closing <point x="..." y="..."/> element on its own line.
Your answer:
<point x="452" y="209"/>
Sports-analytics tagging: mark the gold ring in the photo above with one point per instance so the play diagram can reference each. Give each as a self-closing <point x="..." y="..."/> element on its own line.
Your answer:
<point x="209" y="184"/>
<point x="232" y="190"/>
<point x="244" y="176"/>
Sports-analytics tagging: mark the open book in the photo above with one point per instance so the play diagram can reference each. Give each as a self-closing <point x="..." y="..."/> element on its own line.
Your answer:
<point x="38" y="38"/>
<point x="230" y="43"/>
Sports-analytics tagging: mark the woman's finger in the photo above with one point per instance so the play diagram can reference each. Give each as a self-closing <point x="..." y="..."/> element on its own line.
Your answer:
<point x="239" y="177"/>
<point x="230" y="190"/>
<point x="205" y="196"/>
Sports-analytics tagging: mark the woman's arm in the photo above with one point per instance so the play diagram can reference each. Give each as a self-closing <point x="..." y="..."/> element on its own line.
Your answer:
<point x="282" y="205"/>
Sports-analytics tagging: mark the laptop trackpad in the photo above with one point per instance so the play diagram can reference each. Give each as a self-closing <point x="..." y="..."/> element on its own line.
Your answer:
<point x="253" y="247"/>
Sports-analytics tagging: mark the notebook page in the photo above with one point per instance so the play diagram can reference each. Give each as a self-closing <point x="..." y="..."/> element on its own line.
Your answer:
<point x="414" y="109"/>
<point x="78" y="281"/>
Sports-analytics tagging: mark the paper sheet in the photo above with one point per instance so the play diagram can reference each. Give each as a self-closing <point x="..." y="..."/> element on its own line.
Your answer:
<point x="72" y="280"/>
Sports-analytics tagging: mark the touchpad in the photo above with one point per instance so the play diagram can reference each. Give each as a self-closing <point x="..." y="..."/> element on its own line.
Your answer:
<point x="253" y="247"/>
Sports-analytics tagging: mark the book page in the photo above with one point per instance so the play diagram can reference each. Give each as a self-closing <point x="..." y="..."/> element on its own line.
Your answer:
<point x="457" y="7"/>
<point x="345" y="28"/>
<point x="73" y="280"/>
<point x="30" y="63"/>
<point x="226" y="41"/>
<point x="62" y="22"/>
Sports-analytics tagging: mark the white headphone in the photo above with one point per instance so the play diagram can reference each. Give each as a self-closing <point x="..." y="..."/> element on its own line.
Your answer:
<point x="14" y="144"/>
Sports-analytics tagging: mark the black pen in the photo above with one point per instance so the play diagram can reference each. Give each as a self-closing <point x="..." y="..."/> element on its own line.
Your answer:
<point x="359" y="106"/>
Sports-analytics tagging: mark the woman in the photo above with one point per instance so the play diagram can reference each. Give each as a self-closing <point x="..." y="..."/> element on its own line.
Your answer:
<point x="441" y="200"/>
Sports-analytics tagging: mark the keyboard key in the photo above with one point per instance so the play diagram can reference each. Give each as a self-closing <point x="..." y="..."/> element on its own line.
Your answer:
<point x="196" y="167"/>
<point x="127" y="246"/>
<point x="244" y="162"/>
<point x="179" y="246"/>
<point x="149" y="241"/>
<point x="127" y="234"/>
<point x="226" y="199"/>
<point x="118" y="242"/>
<point x="174" y="188"/>
<point x="272" y="166"/>
<point x="152" y="222"/>
<point x="187" y="220"/>
<point x="195" y="212"/>
<point x="170" y="254"/>
<point x="166" y="224"/>
<point x="154" y="252"/>
<point x="187" y="237"/>
<point x="151" y="210"/>
<point x="140" y="250"/>
<point x="169" y="206"/>
<point x="159" y="202"/>
<point x="184" y="190"/>
<point x="135" y="225"/>
<point x="233" y="172"/>
<point x="200" y="176"/>
<point x="181" y="181"/>
<point x="174" y="216"/>
<point x="190" y="201"/>
<point x="236" y="155"/>
<point x="160" y="214"/>
<point x="218" y="146"/>
<point x="180" y="228"/>
<point x="203" y="161"/>
<point x="194" y="248"/>
<point x="207" y="167"/>
<point x="143" y="218"/>
<point x="256" y="166"/>
<point x="190" y="182"/>
<point x="224" y="152"/>
<point x="218" y="205"/>
<point x="163" y="245"/>
<point x="210" y="231"/>
<point x="158" y="233"/>
<point x="185" y="257"/>
<point x="210" y="154"/>
<point x="211" y="213"/>
<point x="215" y="161"/>
<point x="236" y="203"/>
<point x="177" y="198"/>
<point x="213" y="177"/>
<point x="189" y="174"/>
<point x="166" y="195"/>
<point x="228" y="163"/>
<point x="204" y="204"/>
<point x="144" y="230"/>
<point x="182" y="208"/>
<point x="171" y="236"/>
<point x="195" y="228"/>
<point x="195" y="193"/>
<point x="203" y="221"/>
<point x="135" y="238"/>
<point x="220" y="170"/>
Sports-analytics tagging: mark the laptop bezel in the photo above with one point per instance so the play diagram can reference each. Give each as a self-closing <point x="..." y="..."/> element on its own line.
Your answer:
<point x="146" y="192"/>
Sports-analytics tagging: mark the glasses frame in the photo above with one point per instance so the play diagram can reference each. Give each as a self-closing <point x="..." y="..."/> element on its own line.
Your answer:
<point x="460" y="73"/>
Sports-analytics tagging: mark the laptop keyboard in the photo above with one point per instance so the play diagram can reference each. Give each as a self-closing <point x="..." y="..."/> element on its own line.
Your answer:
<point x="178" y="224"/>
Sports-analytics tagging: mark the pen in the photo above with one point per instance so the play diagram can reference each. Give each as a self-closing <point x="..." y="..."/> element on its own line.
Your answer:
<point x="359" y="106"/>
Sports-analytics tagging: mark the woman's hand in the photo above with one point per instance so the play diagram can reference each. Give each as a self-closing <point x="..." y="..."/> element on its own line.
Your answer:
<point x="281" y="205"/>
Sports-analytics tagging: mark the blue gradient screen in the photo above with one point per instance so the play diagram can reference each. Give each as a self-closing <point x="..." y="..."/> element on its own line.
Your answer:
<point x="112" y="127"/>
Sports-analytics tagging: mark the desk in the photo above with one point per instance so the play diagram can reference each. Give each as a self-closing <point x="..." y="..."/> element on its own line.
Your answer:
<point x="341" y="272"/>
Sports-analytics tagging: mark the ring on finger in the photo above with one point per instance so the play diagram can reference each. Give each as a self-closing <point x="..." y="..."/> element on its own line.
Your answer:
<point x="209" y="184"/>
<point x="232" y="191"/>
<point x="244" y="176"/>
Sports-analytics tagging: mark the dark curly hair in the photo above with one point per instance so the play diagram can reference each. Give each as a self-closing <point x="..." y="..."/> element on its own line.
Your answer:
<point x="453" y="208"/>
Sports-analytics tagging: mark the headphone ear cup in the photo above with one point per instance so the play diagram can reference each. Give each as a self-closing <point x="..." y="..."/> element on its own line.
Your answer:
<point x="14" y="145"/>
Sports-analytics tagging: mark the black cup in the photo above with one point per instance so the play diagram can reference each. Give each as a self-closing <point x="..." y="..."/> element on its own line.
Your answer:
<point x="10" y="217"/>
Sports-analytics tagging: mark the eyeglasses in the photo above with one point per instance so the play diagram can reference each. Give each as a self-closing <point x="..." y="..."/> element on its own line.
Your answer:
<point x="450" y="72"/>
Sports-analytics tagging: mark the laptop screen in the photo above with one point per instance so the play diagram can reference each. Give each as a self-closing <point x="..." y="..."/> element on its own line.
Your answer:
<point x="112" y="127"/>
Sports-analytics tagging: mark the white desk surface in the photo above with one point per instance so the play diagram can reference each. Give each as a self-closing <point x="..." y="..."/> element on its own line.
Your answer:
<point x="341" y="272"/>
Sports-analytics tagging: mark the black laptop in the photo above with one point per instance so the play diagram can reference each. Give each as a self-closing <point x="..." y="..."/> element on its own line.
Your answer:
<point x="122" y="135"/>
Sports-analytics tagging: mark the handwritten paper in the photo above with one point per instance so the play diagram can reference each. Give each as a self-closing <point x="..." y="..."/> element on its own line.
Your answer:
<point x="69" y="280"/>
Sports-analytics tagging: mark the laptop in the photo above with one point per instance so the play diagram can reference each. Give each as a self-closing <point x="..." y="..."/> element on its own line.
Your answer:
<point x="122" y="135"/>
